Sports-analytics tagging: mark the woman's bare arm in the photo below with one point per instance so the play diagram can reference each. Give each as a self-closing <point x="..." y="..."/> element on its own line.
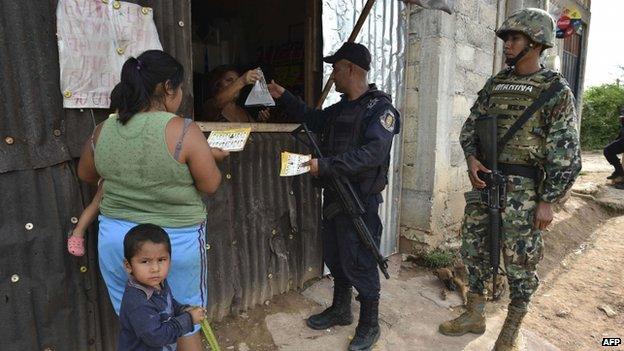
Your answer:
<point x="86" y="166"/>
<point x="228" y="94"/>
<point x="200" y="160"/>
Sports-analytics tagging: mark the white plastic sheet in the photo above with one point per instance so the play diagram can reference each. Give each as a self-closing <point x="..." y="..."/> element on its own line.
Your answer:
<point x="95" y="38"/>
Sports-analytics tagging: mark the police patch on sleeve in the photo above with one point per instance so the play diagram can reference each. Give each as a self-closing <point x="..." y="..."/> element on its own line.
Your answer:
<point x="388" y="120"/>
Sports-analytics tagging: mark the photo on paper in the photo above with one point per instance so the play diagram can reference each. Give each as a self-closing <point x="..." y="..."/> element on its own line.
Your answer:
<point x="292" y="164"/>
<point x="232" y="140"/>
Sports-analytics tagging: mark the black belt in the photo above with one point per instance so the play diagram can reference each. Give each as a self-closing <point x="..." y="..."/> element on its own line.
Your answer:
<point x="519" y="170"/>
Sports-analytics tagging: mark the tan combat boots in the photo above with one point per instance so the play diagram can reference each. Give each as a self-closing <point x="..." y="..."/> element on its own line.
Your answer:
<point x="471" y="321"/>
<point x="508" y="339"/>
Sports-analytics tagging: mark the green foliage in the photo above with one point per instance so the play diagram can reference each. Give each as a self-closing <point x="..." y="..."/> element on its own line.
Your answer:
<point x="600" y="123"/>
<point x="436" y="259"/>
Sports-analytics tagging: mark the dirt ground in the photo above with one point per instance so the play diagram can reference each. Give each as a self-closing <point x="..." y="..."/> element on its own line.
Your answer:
<point x="566" y="310"/>
<point x="581" y="279"/>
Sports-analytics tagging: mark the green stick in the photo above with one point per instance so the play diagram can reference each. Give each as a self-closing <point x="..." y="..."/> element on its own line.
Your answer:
<point x="212" y="340"/>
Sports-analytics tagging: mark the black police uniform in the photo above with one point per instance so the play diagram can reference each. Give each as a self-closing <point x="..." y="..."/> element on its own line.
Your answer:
<point x="356" y="138"/>
<point x="612" y="150"/>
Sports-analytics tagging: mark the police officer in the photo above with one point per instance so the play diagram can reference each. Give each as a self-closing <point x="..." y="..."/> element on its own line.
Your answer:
<point x="616" y="147"/>
<point x="540" y="162"/>
<point x="355" y="138"/>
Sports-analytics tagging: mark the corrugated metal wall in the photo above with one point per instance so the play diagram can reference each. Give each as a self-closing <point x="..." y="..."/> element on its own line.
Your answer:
<point x="263" y="228"/>
<point x="46" y="300"/>
<point x="384" y="35"/>
<point x="51" y="300"/>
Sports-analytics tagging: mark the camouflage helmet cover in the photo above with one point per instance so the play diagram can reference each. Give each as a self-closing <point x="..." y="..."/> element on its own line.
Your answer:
<point x="537" y="24"/>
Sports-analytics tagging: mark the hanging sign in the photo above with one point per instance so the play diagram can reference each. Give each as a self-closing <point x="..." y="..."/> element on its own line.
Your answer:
<point x="563" y="22"/>
<point x="95" y="38"/>
<point x="569" y="23"/>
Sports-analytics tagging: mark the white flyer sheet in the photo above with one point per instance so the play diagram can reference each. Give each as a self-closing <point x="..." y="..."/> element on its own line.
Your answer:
<point x="95" y="38"/>
<point x="292" y="164"/>
<point x="229" y="140"/>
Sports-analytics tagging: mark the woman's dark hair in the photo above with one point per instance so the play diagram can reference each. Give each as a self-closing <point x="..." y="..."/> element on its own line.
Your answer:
<point x="141" y="234"/>
<point x="215" y="76"/>
<point x="139" y="78"/>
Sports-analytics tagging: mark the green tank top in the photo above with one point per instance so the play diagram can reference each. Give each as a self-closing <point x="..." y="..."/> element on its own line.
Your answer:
<point x="143" y="183"/>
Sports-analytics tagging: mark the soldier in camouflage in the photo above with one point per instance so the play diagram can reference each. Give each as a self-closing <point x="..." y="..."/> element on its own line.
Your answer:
<point x="540" y="163"/>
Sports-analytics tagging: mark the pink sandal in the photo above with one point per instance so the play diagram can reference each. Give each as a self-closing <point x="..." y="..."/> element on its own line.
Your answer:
<point x="75" y="245"/>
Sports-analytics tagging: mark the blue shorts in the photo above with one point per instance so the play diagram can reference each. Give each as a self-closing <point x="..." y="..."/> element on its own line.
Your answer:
<point x="188" y="274"/>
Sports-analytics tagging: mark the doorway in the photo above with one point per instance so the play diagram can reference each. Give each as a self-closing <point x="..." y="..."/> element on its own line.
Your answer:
<point x="282" y="37"/>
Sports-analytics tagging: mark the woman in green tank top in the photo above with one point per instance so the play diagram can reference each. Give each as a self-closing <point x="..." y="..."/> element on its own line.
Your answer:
<point x="156" y="167"/>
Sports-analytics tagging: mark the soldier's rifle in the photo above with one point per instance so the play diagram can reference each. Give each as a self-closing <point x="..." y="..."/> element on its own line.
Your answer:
<point x="495" y="192"/>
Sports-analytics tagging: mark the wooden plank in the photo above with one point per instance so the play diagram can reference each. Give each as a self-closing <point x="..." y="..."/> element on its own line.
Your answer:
<point x="354" y="33"/>
<point x="312" y="58"/>
<point x="255" y="127"/>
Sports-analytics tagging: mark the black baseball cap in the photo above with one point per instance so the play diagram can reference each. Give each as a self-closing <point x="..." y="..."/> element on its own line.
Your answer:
<point x="353" y="52"/>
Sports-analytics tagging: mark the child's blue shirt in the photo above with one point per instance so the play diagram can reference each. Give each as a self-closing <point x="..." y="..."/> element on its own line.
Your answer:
<point x="151" y="319"/>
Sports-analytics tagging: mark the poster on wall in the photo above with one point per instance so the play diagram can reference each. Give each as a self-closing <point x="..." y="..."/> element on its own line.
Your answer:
<point x="568" y="23"/>
<point x="95" y="38"/>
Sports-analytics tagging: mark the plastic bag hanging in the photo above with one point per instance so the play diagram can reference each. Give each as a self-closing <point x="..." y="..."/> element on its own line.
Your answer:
<point x="259" y="95"/>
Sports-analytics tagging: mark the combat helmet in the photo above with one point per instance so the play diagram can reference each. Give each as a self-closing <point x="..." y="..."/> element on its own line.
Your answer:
<point x="537" y="24"/>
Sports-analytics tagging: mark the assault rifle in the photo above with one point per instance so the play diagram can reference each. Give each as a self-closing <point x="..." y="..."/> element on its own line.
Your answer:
<point x="495" y="192"/>
<point x="351" y="203"/>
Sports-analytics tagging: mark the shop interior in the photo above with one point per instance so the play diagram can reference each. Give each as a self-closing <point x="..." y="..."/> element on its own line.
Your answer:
<point x="282" y="37"/>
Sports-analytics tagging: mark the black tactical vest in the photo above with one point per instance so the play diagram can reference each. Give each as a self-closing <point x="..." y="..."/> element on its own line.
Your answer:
<point x="345" y="131"/>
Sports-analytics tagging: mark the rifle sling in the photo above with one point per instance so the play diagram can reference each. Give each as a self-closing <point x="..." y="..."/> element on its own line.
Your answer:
<point x="528" y="113"/>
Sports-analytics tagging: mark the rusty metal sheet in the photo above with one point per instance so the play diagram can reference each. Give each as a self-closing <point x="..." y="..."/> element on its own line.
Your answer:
<point x="46" y="294"/>
<point x="262" y="228"/>
<point x="30" y="103"/>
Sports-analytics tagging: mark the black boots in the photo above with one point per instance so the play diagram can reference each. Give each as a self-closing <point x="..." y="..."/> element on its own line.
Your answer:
<point x="619" y="172"/>
<point x="367" y="331"/>
<point x="339" y="313"/>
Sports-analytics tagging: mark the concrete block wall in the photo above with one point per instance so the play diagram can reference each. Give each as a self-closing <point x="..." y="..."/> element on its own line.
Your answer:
<point x="449" y="59"/>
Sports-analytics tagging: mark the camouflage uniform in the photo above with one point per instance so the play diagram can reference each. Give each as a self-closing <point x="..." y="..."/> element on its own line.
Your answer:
<point x="539" y="162"/>
<point x="548" y="141"/>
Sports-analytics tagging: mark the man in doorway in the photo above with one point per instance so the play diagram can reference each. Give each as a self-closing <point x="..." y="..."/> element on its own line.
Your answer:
<point x="356" y="137"/>
<point x="615" y="148"/>
<point x="539" y="162"/>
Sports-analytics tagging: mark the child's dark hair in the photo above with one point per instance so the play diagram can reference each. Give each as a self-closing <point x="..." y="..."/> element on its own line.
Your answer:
<point x="139" y="78"/>
<point x="142" y="233"/>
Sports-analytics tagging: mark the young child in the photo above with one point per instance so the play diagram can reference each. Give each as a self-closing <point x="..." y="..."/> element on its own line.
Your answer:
<point x="151" y="319"/>
<point x="75" y="241"/>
